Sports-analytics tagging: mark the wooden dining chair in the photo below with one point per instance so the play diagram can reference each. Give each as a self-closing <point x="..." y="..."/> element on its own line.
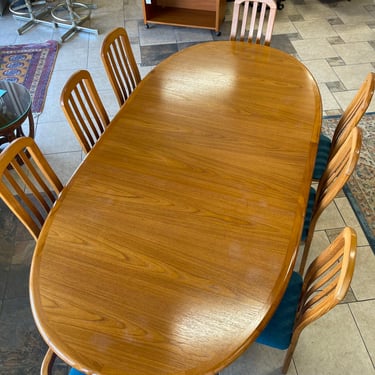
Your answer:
<point x="120" y="64"/>
<point x="258" y="23"/>
<point x="48" y="362"/>
<point x="326" y="283"/>
<point x="349" y="119"/>
<point x="339" y="169"/>
<point x="28" y="185"/>
<point x="84" y="109"/>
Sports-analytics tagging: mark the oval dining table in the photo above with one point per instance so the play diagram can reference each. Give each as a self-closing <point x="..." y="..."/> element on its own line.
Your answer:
<point x="172" y="244"/>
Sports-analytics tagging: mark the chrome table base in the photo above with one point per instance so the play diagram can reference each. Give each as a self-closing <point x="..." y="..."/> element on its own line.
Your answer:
<point x="68" y="14"/>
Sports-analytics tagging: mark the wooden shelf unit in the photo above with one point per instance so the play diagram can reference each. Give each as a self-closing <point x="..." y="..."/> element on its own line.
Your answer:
<point x="205" y="14"/>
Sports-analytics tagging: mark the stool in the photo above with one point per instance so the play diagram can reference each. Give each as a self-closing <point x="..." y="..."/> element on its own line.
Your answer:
<point x="29" y="11"/>
<point x="72" y="15"/>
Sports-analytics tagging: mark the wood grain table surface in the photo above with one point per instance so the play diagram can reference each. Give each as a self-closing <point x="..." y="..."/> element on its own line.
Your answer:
<point x="172" y="244"/>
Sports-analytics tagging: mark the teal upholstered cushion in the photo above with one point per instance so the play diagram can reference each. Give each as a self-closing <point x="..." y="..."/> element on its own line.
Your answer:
<point x="73" y="371"/>
<point x="278" y="332"/>
<point x="322" y="156"/>
<point x="309" y="209"/>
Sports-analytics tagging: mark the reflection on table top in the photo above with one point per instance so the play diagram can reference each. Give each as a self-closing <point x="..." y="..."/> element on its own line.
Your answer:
<point x="14" y="103"/>
<point x="173" y="242"/>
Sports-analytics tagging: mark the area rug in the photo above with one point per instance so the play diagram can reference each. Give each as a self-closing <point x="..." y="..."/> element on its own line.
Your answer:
<point x="360" y="189"/>
<point x="30" y="65"/>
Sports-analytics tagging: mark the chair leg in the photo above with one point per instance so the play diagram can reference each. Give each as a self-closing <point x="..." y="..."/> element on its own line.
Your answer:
<point x="306" y="250"/>
<point x="48" y="361"/>
<point x="289" y="353"/>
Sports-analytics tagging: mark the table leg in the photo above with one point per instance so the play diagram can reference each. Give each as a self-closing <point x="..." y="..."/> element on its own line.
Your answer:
<point x="19" y="131"/>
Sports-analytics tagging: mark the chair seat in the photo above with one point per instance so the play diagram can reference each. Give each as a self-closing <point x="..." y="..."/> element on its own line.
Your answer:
<point x="73" y="371"/>
<point x="308" y="216"/>
<point x="321" y="161"/>
<point x="278" y="332"/>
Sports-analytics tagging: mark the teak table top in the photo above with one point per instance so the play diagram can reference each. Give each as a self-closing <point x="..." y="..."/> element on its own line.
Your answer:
<point x="172" y="244"/>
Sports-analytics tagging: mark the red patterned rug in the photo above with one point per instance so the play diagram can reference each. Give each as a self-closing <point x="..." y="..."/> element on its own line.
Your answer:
<point x="360" y="189"/>
<point x="30" y="65"/>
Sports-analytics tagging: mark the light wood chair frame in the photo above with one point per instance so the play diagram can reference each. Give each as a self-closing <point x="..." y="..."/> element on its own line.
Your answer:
<point x="84" y="109"/>
<point x="48" y="362"/>
<point x="326" y="283"/>
<point x="119" y="63"/>
<point x="24" y="171"/>
<point x="261" y="35"/>
<point x="339" y="169"/>
<point x="353" y="113"/>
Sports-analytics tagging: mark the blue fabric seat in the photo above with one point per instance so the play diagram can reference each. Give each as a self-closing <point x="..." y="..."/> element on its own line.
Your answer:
<point x="308" y="215"/>
<point x="321" y="161"/>
<point x="73" y="371"/>
<point x="278" y="332"/>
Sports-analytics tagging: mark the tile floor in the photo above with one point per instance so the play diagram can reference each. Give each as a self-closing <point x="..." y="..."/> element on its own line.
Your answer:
<point x="336" y="41"/>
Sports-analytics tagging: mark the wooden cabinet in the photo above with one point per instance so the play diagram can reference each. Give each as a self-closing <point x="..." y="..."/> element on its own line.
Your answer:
<point x="205" y="14"/>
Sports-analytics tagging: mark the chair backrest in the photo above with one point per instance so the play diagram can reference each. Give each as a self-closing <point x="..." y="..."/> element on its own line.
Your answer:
<point x="326" y="283"/>
<point x="254" y="21"/>
<point x="28" y="184"/>
<point x="120" y="64"/>
<point x="354" y="112"/>
<point x="339" y="169"/>
<point x="84" y="109"/>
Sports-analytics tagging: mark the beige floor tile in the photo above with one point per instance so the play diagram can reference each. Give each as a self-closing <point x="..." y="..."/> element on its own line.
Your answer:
<point x="314" y="10"/>
<point x="100" y="78"/>
<point x="133" y="9"/>
<point x="284" y="27"/>
<point x="185" y="34"/>
<point x="116" y="5"/>
<point x="259" y="360"/>
<point x="157" y="34"/>
<point x="110" y="102"/>
<point x="132" y="28"/>
<point x="363" y="283"/>
<point x="365" y="318"/>
<point x="352" y="76"/>
<point x="144" y="70"/>
<point x="95" y="41"/>
<point x="62" y="139"/>
<point x="319" y="243"/>
<point x="69" y="61"/>
<point x="54" y="112"/>
<point x="314" y="49"/>
<point x="136" y="53"/>
<point x="319" y="28"/>
<point x="355" y="33"/>
<point x="354" y="53"/>
<point x="23" y="252"/>
<point x="351" y="220"/>
<point x="329" y="101"/>
<point x="38" y="34"/>
<point x="8" y="36"/>
<point x="321" y="70"/>
<point x="65" y="164"/>
<point x="330" y="218"/>
<point x="351" y="14"/>
<point x="332" y="345"/>
<point x="345" y="97"/>
<point x="290" y="9"/>
<point x="94" y="60"/>
<point x="100" y="21"/>
<point x="350" y="297"/>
